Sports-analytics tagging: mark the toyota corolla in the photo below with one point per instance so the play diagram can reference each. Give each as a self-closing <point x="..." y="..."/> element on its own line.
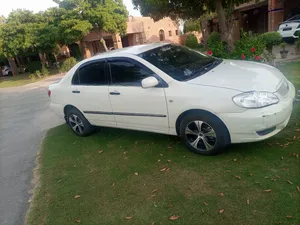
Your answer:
<point x="164" y="88"/>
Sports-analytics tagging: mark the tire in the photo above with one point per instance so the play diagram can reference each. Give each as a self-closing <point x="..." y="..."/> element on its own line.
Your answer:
<point x="78" y="123"/>
<point x="10" y="73"/>
<point x="212" y="138"/>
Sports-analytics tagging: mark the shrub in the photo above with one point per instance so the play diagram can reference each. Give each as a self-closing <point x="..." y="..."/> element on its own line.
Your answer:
<point x="32" y="76"/>
<point x="191" y="41"/>
<point x="298" y="43"/>
<point x="268" y="58"/>
<point x="271" y="39"/>
<point x="216" y="46"/>
<point x="34" y="66"/>
<point x="249" y="47"/>
<point x="283" y="45"/>
<point x="38" y="74"/>
<point x="68" y="64"/>
<point x="45" y="71"/>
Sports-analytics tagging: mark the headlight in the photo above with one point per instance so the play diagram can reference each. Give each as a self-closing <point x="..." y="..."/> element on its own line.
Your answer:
<point x="255" y="99"/>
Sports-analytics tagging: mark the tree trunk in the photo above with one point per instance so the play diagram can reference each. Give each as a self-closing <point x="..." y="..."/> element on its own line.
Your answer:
<point x="204" y="31"/>
<point x="102" y="41"/>
<point x="18" y="62"/>
<point x="225" y="34"/>
<point x="83" y="49"/>
<point x="55" y="57"/>
<point x="42" y="58"/>
<point x="13" y="66"/>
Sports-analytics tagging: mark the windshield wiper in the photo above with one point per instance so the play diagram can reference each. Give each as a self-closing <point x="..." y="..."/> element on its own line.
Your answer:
<point x="207" y="67"/>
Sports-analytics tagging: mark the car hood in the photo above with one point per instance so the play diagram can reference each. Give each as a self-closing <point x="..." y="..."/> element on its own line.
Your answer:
<point x="242" y="76"/>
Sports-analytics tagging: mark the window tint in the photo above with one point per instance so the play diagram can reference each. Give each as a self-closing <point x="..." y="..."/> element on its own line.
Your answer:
<point x="93" y="74"/>
<point x="179" y="62"/>
<point x="128" y="74"/>
<point x="75" y="79"/>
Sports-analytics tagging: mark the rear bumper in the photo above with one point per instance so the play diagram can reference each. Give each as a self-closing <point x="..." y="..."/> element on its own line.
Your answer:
<point x="57" y="109"/>
<point x="259" y="124"/>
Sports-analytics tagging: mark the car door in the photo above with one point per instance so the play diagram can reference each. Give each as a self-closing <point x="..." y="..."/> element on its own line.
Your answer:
<point x="133" y="106"/>
<point x="90" y="93"/>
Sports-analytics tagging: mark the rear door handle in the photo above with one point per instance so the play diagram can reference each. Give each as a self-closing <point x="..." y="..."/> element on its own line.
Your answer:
<point x="76" y="91"/>
<point x="114" y="93"/>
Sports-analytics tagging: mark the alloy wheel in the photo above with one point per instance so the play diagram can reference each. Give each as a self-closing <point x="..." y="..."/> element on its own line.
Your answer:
<point x="200" y="135"/>
<point x="76" y="123"/>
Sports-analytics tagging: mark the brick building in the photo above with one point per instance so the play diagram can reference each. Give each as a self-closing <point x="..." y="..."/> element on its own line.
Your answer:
<point x="260" y="16"/>
<point x="140" y="30"/>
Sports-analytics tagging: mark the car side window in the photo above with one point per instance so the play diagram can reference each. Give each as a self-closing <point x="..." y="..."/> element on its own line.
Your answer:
<point x="92" y="74"/>
<point x="126" y="73"/>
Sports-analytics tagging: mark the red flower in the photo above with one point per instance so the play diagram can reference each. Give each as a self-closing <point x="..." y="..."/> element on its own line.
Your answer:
<point x="257" y="58"/>
<point x="209" y="52"/>
<point x="243" y="56"/>
<point x="253" y="50"/>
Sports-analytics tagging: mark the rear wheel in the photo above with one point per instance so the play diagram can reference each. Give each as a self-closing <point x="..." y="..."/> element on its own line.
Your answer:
<point x="78" y="123"/>
<point x="204" y="133"/>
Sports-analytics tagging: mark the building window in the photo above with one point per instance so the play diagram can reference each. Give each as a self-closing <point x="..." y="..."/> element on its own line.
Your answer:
<point x="161" y="35"/>
<point x="170" y="33"/>
<point x="176" y="32"/>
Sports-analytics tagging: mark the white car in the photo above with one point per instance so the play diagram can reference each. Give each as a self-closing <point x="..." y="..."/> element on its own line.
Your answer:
<point x="174" y="90"/>
<point x="290" y="29"/>
<point x="6" y="71"/>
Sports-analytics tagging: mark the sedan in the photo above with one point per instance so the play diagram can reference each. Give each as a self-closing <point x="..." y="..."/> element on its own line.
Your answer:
<point x="169" y="89"/>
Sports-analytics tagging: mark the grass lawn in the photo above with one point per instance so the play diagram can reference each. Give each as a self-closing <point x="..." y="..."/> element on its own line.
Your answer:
<point x="128" y="177"/>
<point x="19" y="80"/>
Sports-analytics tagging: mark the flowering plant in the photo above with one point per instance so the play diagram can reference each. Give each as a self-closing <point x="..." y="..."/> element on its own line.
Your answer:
<point x="253" y="57"/>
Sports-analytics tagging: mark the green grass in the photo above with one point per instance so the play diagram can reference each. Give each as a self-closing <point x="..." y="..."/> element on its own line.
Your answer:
<point x="20" y="80"/>
<point x="110" y="191"/>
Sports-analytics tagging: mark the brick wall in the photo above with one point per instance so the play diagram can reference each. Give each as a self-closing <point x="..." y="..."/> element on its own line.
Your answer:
<point x="275" y="14"/>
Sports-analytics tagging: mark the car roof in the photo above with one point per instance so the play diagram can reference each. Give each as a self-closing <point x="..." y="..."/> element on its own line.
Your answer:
<point x="134" y="50"/>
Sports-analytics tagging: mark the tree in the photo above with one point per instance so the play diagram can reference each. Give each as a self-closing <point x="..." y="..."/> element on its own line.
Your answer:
<point x="2" y="20"/>
<point x="192" y="9"/>
<point x="82" y="16"/>
<point x="192" y="25"/>
<point x="25" y="32"/>
<point x="13" y="42"/>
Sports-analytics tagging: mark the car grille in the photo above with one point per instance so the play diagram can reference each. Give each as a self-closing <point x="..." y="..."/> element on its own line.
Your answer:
<point x="288" y="28"/>
<point x="283" y="89"/>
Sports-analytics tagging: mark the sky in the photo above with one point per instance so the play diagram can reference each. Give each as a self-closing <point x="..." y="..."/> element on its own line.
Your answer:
<point x="38" y="5"/>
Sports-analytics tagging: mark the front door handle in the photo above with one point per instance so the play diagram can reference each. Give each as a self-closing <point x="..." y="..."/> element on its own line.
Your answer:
<point x="114" y="93"/>
<point x="76" y="92"/>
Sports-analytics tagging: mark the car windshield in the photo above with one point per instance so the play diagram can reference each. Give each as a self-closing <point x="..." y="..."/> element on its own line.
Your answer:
<point x="297" y="17"/>
<point x="181" y="63"/>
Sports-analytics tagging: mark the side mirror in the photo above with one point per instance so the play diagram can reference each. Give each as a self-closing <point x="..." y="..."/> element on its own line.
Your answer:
<point x="149" y="82"/>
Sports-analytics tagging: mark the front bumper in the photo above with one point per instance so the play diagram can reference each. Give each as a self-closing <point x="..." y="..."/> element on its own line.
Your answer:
<point x="259" y="124"/>
<point x="289" y="33"/>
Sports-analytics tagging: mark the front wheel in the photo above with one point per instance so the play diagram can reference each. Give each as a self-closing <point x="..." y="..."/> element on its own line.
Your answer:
<point x="204" y="133"/>
<point x="78" y="123"/>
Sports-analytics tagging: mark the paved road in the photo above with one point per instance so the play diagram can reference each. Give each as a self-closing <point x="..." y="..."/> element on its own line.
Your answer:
<point x="24" y="119"/>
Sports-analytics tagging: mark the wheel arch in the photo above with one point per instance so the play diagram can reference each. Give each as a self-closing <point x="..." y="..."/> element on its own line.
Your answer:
<point x="68" y="107"/>
<point x="195" y="111"/>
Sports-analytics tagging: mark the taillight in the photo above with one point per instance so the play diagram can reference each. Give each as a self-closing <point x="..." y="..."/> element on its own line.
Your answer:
<point x="49" y="93"/>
